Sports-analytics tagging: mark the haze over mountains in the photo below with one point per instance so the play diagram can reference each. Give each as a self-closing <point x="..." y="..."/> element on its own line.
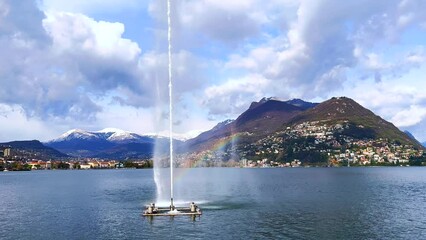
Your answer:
<point x="263" y="118"/>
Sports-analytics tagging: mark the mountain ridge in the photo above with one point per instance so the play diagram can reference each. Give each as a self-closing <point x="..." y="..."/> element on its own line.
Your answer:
<point x="261" y="118"/>
<point x="264" y="118"/>
<point x="270" y="115"/>
<point x="339" y="109"/>
<point x="108" y="143"/>
<point x="33" y="149"/>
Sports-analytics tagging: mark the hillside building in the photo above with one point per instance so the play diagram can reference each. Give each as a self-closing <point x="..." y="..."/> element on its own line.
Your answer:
<point x="5" y="151"/>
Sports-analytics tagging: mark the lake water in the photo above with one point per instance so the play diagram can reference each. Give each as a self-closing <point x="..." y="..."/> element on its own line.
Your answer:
<point x="288" y="203"/>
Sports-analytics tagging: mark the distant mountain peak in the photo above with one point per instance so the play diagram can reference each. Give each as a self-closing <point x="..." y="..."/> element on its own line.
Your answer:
<point x="336" y="108"/>
<point x="297" y="102"/>
<point x="112" y="130"/>
<point x="265" y="99"/>
<point x="301" y="103"/>
<point x="121" y="136"/>
<point x="75" y="133"/>
<point x="262" y="101"/>
<point x="223" y="124"/>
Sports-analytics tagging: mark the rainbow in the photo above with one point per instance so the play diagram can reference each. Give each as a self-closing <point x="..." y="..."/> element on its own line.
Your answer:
<point x="219" y="145"/>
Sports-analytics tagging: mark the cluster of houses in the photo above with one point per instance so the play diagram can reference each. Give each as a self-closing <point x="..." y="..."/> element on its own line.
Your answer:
<point x="22" y="163"/>
<point x="34" y="164"/>
<point x="327" y="140"/>
<point x="87" y="164"/>
<point x="95" y="164"/>
<point x="266" y="163"/>
<point x="368" y="152"/>
<point x="362" y="152"/>
<point x="17" y="162"/>
<point x="344" y="150"/>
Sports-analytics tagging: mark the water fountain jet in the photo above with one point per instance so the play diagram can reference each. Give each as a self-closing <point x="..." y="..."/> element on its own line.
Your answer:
<point x="152" y="210"/>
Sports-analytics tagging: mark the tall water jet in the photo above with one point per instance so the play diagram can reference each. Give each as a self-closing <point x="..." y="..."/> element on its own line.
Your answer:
<point x="151" y="209"/>
<point x="162" y="146"/>
<point x="169" y="39"/>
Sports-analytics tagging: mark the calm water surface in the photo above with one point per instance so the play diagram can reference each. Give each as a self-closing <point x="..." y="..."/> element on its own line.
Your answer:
<point x="298" y="203"/>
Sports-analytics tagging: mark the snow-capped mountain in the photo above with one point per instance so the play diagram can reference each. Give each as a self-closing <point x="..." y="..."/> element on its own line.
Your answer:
<point x="106" y="143"/>
<point x="107" y="134"/>
<point x="76" y="134"/>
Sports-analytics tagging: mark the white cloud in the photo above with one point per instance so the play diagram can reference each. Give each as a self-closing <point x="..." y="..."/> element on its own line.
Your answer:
<point x="234" y="95"/>
<point x="227" y="22"/>
<point x="400" y="103"/>
<point x="328" y="38"/>
<point x="92" y="6"/>
<point x="375" y="65"/>
<point x="69" y="69"/>
<point x="19" y="127"/>
<point x="62" y="72"/>
<point x="60" y="69"/>
<point x="409" y="117"/>
<point x="78" y="33"/>
<point x="312" y="57"/>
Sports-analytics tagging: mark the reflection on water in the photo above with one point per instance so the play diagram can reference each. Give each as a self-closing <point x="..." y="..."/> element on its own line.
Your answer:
<point x="312" y="203"/>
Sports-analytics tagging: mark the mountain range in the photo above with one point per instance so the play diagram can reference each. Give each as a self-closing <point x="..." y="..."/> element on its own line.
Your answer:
<point x="109" y="143"/>
<point x="271" y="115"/>
<point x="264" y="118"/>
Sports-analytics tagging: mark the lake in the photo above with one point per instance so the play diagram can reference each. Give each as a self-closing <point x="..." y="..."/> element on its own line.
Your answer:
<point x="271" y="203"/>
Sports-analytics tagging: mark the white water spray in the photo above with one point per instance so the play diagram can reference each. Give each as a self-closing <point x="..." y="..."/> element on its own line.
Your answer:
<point x="169" y="38"/>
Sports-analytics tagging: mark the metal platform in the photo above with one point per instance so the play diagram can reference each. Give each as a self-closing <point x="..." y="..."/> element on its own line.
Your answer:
<point x="165" y="211"/>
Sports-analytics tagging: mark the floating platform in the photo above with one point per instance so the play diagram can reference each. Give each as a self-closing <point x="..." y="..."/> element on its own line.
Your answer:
<point x="153" y="211"/>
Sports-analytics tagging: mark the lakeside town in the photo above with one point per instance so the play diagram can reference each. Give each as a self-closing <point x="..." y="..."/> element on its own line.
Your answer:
<point x="316" y="143"/>
<point x="307" y="144"/>
<point x="19" y="163"/>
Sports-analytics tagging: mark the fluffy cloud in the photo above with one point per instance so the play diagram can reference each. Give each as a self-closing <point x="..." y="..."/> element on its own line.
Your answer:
<point x="223" y="20"/>
<point x="310" y="53"/>
<point x="73" y="33"/>
<point x="231" y="23"/>
<point x="92" y="6"/>
<point x="108" y="62"/>
<point x="19" y="127"/>
<point x="57" y="66"/>
<point x="403" y="105"/>
<point x="26" y="75"/>
<point x="93" y="53"/>
<point x="25" y="30"/>
<point x="409" y="117"/>
<point x="372" y="64"/>
<point x="314" y="53"/>
<point x="327" y="40"/>
<point x="65" y="65"/>
<point x="231" y="97"/>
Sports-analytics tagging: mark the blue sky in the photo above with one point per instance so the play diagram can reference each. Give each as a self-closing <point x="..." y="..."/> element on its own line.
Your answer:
<point x="103" y="63"/>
